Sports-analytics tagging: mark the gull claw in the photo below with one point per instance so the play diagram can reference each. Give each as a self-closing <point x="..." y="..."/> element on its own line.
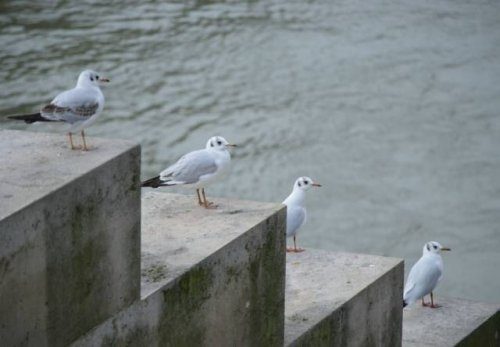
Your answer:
<point x="210" y="205"/>
<point x="294" y="250"/>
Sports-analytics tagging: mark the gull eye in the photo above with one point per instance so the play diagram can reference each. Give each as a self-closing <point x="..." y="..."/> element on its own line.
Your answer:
<point x="305" y="182"/>
<point x="219" y="142"/>
<point x="97" y="77"/>
<point x="435" y="247"/>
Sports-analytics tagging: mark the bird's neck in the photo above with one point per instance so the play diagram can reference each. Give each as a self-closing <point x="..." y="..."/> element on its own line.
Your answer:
<point x="86" y="85"/>
<point x="431" y="255"/>
<point x="297" y="197"/>
<point x="222" y="155"/>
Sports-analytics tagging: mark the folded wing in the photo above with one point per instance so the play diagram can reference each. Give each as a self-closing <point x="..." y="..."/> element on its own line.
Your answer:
<point x="423" y="278"/>
<point x="295" y="218"/>
<point x="190" y="168"/>
<point x="75" y="105"/>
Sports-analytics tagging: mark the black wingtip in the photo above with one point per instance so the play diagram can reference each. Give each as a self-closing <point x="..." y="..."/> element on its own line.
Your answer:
<point x="405" y="304"/>
<point x="29" y="118"/>
<point x="154" y="182"/>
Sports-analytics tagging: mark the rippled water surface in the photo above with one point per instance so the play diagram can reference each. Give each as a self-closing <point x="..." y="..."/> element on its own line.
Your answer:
<point x="393" y="107"/>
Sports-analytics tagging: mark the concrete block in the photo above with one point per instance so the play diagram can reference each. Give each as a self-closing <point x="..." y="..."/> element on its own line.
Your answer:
<point x="341" y="299"/>
<point x="209" y="277"/>
<point x="457" y="322"/>
<point x="69" y="236"/>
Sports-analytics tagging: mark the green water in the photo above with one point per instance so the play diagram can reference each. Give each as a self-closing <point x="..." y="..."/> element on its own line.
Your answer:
<point x="392" y="106"/>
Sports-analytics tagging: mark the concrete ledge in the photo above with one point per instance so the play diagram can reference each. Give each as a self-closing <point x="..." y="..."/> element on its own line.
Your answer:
<point x="33" y="165"/>
<point x="457" y="322"/>
<point x="69" y="236"/>
<point x="209" y="277"/>
<point x="341" y="299"/>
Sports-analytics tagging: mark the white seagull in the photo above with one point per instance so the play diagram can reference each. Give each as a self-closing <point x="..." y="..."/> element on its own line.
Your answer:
<point x="79" y="106"/>
<point x="197" y="169"/>
<point x="425" y="275"/>
<point x="296" y="213"/>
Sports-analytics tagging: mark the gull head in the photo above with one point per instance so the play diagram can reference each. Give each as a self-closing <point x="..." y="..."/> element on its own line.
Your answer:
<point x="90" y="78"/>
<point x="304" y="183"/>
<point x="434" y="247"/>
<point x="218" y="143"/>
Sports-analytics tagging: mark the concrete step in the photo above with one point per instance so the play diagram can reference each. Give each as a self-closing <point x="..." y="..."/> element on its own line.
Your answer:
<point x="69" y="236"/>
<point x="342" y="299"/>
<point x="457" y="322"/>
<point x="209" y="277"/>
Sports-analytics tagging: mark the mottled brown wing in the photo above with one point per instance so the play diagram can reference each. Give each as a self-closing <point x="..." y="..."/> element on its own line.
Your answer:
<point x="54" y="111"/>
<point x="86" y="110"/>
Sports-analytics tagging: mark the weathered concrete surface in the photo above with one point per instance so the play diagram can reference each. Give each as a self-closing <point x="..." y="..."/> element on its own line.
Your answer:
<point x="209" y="277"/>
<point x="69" y="236"/>
<point x="341" y="299"/>
<point x="457" y="322"/>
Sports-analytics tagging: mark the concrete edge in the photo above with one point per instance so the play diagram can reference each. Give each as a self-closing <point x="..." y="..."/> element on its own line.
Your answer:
<point x="199" y="265"/>
<point x="215" y="253"/>
<point x="486" y="334"/>
<point x="133" y="146"/>
<point x="399" y="267"/>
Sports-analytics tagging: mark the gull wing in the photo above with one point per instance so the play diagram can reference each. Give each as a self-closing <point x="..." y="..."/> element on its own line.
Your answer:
<point x="189" y="168"/>
<point x="295" y="218"/>
<point x="72" y="106"/>
<point x="423" y="278"/>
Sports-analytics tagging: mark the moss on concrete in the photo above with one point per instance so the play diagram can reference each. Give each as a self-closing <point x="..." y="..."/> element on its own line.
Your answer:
<point x="323" y="333"/>
<point x="487" y="334"/>
<point x="4" y="266"/>
<point x="180" y="324"/>
<point x="75" y="275"/>
<point x="298" y="318"/>
<point x="232" y="274"/>
<point x="238" y="289"/>
<point x="135" y="185"/>
<point x="79" y="224"/>
<point x="267" y="276"/>
<point x="155" y="273"/>
<point x="136" y="336"/>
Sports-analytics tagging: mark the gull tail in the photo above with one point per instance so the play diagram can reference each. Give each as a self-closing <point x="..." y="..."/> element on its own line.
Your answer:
<point x="30" y="118"/>
<point x="154" y="182"/>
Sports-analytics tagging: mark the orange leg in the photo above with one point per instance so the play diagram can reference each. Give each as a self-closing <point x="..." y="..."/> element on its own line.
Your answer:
<point x="70" y="136"/>
<point x="199" y="198"/>
<point x="424" y="303"/>
<point x="290" y="249"/>
<point x="295" y="249"/>
<point x="432" y="302"/>
<point x="207" y="203"/>
<point x="84" y="143"/>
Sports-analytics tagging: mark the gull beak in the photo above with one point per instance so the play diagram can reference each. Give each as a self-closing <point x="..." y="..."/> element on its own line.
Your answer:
<point x="104" y="80"/>
<point x="231" y="145"/>
<point x="445" y="249"/>
<point x="316" y="184"/>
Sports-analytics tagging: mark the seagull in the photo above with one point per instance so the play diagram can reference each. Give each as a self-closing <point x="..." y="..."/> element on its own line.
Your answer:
<point x="79" y="106"/>
<point x="296" y="212"/>
<point x="425" y="275"/>
<point x="197" y="169"/>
